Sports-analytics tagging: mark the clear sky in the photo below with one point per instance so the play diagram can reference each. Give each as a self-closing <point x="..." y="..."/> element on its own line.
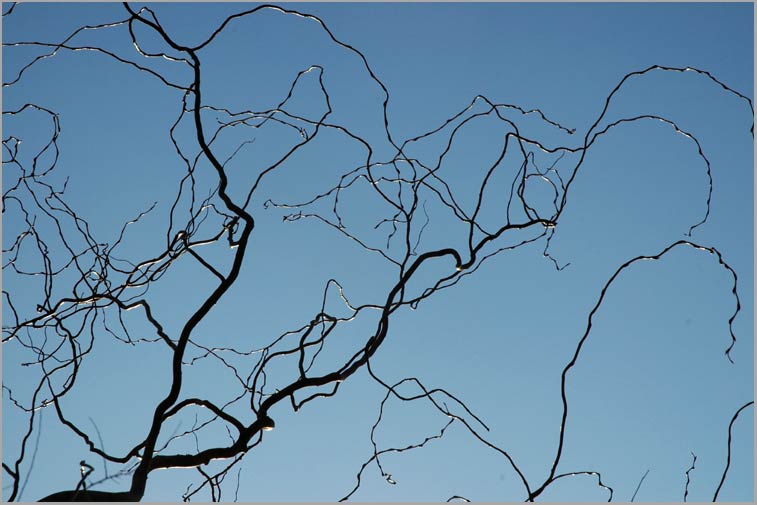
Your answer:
<point x="652" y="384"/>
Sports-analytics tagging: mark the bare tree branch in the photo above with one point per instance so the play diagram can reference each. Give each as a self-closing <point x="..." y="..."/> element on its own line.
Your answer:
<point x="73" y="286"/>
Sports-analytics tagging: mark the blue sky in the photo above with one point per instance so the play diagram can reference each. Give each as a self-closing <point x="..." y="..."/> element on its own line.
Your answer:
<point x="652" y="384"/>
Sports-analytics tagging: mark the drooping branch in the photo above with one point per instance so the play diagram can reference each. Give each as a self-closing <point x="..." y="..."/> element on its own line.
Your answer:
<point x="595" y="309"/>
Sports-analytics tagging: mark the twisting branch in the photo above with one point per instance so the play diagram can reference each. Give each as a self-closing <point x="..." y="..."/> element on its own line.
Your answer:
<point x="579" y="347"/>
<point x="688" y="479"/>
<point x="72" y="286"/>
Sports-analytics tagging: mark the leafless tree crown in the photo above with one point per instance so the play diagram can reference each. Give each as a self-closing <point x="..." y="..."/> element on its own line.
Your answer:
<point x="71" y="286"/>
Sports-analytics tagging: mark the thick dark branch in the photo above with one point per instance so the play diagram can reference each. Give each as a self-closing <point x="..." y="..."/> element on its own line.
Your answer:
<point x="728" y="457"/>
<point x="90" y="495"/>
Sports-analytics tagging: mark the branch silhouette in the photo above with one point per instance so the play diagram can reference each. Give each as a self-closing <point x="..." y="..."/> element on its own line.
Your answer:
<point x="83" y="285"/>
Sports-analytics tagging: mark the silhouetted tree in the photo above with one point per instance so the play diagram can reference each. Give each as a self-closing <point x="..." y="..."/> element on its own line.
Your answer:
<point x="155" y="285"/>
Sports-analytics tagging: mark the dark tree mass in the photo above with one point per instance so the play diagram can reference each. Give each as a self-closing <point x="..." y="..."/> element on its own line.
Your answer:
<point x="296" y="192"/>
